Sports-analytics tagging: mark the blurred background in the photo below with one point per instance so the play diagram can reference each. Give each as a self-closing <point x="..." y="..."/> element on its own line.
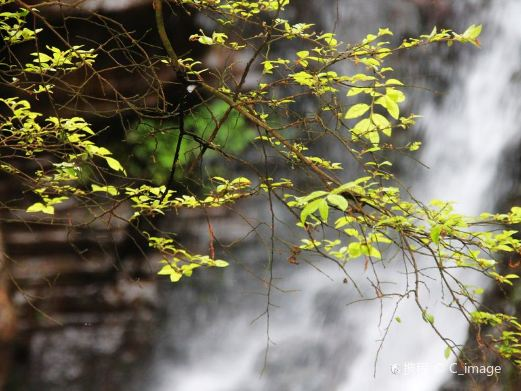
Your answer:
<point x="91" y="314"/>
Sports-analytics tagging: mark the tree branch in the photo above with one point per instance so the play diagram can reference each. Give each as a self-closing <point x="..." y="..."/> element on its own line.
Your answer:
<point x="160" y="23"/>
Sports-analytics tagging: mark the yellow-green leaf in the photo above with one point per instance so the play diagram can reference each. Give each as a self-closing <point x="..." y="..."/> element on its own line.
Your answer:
<point x="338" y="201"/>
<point x="39" y="207"/>
<point x="390" y="105"/>
<point x="473" y="32"/>
<point x="435" y="233"/>
<point x="114" y="164"/>
<point x="382" y="124"/>
<point x="111" y="190"/>
<point x="220" y="263"/>
<point x="357" y="110"/>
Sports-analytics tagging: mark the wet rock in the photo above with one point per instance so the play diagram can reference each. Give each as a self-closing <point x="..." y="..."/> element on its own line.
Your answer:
<point x="84" y="321"/>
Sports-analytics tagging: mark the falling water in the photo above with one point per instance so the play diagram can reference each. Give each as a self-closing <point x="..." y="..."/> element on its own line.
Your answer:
<point x="464" y="137"/>
<point x="317" y="342"/>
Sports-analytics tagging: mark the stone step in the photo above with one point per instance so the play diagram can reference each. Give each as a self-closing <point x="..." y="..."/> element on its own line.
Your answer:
<point x="72" y="303"/>
<point x="36" y="270"/>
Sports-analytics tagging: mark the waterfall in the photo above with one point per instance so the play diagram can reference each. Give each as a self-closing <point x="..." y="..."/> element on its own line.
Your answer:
<point x="464" y="138"/>
<point x="319" y="343"/>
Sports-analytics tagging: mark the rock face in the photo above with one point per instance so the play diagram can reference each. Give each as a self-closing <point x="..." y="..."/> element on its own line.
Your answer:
<point x="83" y="307"/>
<point x="7" y="330"/>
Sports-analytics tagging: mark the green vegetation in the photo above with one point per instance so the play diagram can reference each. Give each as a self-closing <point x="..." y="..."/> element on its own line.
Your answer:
<point x="153" y="141"/>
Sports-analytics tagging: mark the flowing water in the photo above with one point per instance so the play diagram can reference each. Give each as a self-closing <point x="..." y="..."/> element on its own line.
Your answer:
<point x="317" y="342"/>
<point x="464" y="140"/>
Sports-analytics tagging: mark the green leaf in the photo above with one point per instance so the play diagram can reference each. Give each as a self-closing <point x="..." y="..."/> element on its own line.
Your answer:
<point x="309" y="209"/>
<point x="366" y="128"/>
<point x="473" y="31"/>
<point x="435" y="233"/>
<point x="354" y="250"/>
<point x="338" y="201"/>
<point x="268" y="67"/>
<point x="395" y="95"/>
<point x="393" y="82"/>
<point x="165" y="270"/>
<point x="175" y="276"/>
<point x="358" y="90"/>
<point x="205" y="40"/>
<point x="414" y="146"/>
<point x="384" y="31"/>
<point x="351" y="232"/>
<point x="323" y="209"/>
<point x="111" y="190"/>
<point x="114" y="164"/>
<point x="371" y="251"/>
<point x="241" y="181"/>
<point x="390" y="105"/>
<point x="313" y="195"/>
<point x="39" y="207"/>
<point x="357" y="110"/>
<point x="168" y="270"/>
<point x="447" y="352"/>
<point x="429" y="318"/>
<point x="343" y="221"/>
<point x="373" y="137"/>
<point x="220" y="263"/>
<point x="479" y="291"/>
<point x="303" y="78"/>
<point x="382" y="123"/>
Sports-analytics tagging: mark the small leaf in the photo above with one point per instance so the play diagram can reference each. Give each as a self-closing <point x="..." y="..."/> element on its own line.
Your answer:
<point x="389" y="104"/>
<point x="175" y="276"/>
<point x="382" y="124"/>
<point x="357" y="110"/>
<point x="205" y="40"/>
<point x="435" y="233"/>
<point x="479" y="291"/>
<point x="447" y="352"/>
<point x="308" y="209"/>
<point x="354" y="250"/>
<point x="111" y="190"/>
<point x="114" y="164"/>
<point x="323" y="209"/>
<point x="268" y="67"/>
<point x="395" y="95"/>
<point x="313" y="195"/>
<point x="363" y="127"/>
<point x="168" y="270"/>
<point x="414" y="146"/>
<point x="370" y="251"/>
<point x="429" y="318"/>
<point x="220" y="263"/>
<point x="373" y="137"/>
<point x="165" y="270"/>
<point x="39" y="207"/>
<point x="473" y="31"/>
<point x="384" y="31"/>
<point x="338" y="201"/>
